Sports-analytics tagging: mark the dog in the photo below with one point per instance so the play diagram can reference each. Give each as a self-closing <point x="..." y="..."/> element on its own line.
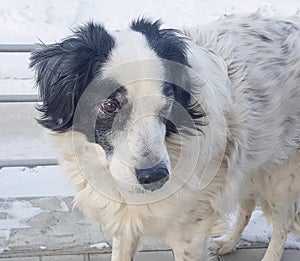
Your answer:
<point x="159" y="128"/>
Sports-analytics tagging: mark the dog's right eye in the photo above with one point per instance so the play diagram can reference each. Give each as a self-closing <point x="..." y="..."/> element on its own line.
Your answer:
<point x="110" y="106"/>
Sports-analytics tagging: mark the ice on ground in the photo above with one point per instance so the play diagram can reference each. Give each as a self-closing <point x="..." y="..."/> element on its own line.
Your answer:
<point x="18" y="212"/>
<point x="101" y="245"/>
<point x="64" y="207"/>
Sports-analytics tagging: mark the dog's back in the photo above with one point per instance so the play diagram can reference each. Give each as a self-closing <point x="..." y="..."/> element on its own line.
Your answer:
<point x="263" y="61"/>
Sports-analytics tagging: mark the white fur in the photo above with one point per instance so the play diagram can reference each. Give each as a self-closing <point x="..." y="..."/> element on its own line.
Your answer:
<point x="139" y="70"/>
<point x="186" y="210"/>
<point x="277" y="189"/>
<point x="243" y="137"/>
<point x="263" y="144"/>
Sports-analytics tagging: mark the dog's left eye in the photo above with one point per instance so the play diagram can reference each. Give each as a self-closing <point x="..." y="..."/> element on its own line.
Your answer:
<point x="110" y="106"/>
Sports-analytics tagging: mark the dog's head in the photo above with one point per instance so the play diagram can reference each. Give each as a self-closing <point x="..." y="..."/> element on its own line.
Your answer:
<point x="127" y="91"/>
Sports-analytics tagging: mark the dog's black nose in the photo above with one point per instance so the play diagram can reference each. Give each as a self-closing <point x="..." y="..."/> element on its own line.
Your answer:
<point x="153" y="178"/>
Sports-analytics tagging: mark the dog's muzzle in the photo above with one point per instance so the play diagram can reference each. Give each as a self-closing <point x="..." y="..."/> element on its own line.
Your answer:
<point x="153" y="178"/>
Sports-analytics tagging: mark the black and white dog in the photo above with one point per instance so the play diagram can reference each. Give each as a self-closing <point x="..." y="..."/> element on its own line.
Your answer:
<point x="161" y="130"/>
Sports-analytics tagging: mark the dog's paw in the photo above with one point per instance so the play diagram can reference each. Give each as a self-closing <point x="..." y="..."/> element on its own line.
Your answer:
<point x="222" y="245"/>
<point x="267" y="259"/>
<point x="272" y="258"/>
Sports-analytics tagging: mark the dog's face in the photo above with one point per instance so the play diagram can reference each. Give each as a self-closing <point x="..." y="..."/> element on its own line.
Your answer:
<point x="126" y="91"/>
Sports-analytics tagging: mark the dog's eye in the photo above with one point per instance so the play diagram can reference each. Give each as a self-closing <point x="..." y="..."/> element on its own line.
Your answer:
<point x="110" y="106"/>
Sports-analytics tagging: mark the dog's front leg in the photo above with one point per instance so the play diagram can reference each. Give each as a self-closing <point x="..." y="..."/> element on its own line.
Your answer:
<point x="123" y="249"/>
<point x="282" y="219"/>
<point x="227" y="243"/>
<point x="193" y="248"/>
<point x="276" y="246"/>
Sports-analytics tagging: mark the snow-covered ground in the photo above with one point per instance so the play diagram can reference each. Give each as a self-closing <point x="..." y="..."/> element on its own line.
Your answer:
<point x="48" y="21"/>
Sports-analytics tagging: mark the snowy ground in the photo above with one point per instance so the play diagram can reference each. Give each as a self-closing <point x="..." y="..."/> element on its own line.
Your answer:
<point x="31" y="20"/>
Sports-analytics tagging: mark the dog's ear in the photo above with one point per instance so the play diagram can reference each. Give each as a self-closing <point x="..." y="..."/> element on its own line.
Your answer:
<point x="65" y="69"/>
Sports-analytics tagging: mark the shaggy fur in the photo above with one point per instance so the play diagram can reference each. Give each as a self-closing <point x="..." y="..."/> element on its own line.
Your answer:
<point x="239" y="82"/>
<point x="263" y="59"/>
<point x="277" y="189"/>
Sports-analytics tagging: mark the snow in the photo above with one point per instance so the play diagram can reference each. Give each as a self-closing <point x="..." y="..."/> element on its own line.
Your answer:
<point x="18" y="212"/>
<point x="34" y="20"/>
<point x="64" y="206"/>
<point x="34" y="182"/>
<point x="100" y="245"/>
<point x="259" y="231"/>
<point x="26" y="21"/>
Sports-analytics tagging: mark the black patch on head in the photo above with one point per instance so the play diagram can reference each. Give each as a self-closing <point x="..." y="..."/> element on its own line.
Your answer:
<point x="64" y="70"/>
<point x="170" y="44"/>
<point x="108" y="126"/>
<point x="91" y="117"/>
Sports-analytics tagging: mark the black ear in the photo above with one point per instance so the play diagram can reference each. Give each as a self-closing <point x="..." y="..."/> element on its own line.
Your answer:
<point x="65" y="69"/>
